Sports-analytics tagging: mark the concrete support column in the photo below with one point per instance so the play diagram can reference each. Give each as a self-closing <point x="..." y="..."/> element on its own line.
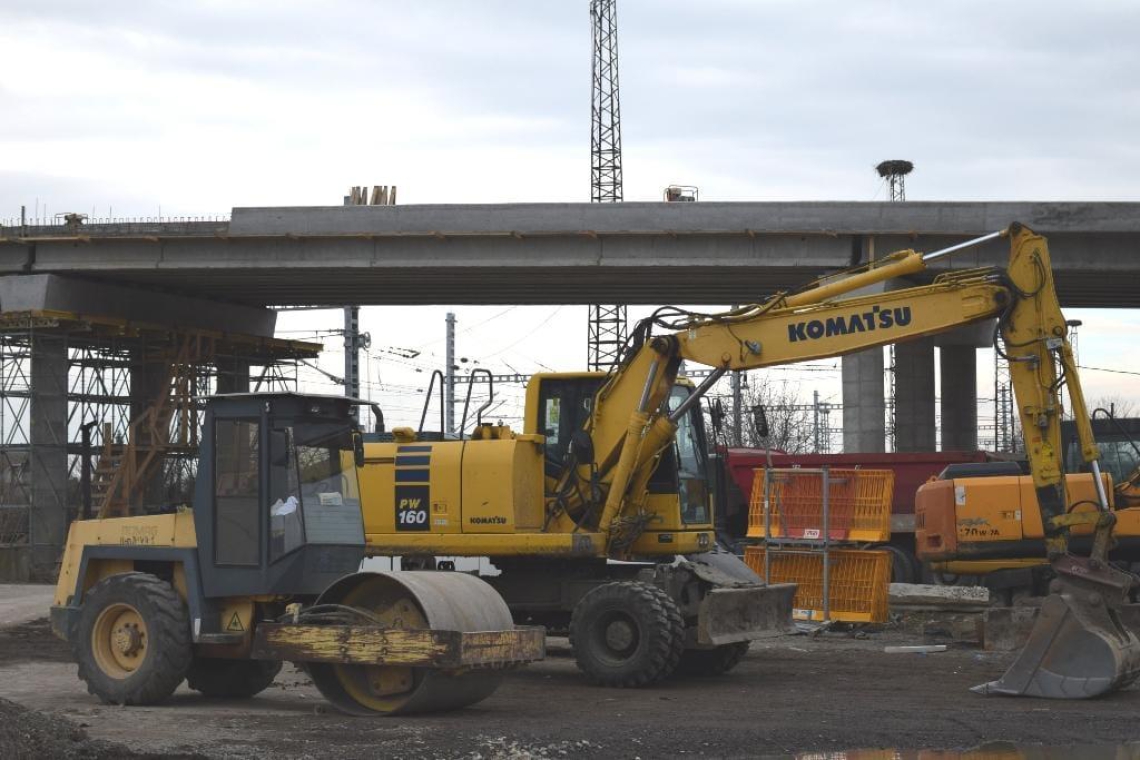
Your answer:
<point x="959" y="399"/>
<point x="48" y="452"/>
<point x="864" y="421"/>
<point x="914" y="396"/>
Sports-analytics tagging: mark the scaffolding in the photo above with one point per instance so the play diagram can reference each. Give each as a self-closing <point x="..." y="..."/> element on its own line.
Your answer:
<point x="117" y="405"/>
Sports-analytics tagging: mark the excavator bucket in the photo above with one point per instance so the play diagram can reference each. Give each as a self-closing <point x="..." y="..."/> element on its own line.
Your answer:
<point x="1078" y="648"/>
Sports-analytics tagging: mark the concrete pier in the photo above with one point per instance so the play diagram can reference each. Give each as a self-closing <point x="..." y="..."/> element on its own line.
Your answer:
<point x="864" y="409"/>
<point x="914" y="396"/>
<point x="958" y="401"/>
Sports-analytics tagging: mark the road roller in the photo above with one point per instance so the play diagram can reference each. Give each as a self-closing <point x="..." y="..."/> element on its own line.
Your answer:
<point x="265" y="568"/>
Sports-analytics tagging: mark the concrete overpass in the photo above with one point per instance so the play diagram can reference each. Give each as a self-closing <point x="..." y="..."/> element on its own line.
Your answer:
<point x="634" y="253"/>
<point x="224" y="274"/>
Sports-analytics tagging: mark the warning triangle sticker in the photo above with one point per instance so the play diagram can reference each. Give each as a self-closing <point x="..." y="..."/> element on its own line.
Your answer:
<point x="235" y="623"/>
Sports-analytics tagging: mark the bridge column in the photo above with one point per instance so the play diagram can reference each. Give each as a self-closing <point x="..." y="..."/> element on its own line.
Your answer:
<point x="959" y="399"/>
<point x="864" y="424"/>
<point x="914" y="395"/>
<point x="48" y="452"/>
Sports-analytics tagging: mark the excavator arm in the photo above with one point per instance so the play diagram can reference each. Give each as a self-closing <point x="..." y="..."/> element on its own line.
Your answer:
<point x="604" y="484"/>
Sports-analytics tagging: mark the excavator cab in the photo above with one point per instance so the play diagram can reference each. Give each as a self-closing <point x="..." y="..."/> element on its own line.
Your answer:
<point x="678" y="485"/>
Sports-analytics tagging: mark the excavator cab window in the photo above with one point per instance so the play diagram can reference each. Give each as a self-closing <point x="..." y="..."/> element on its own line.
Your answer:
<point x="1118" y="440"/>
<point x="685" y="464"/>
<point x="563" y="408"/>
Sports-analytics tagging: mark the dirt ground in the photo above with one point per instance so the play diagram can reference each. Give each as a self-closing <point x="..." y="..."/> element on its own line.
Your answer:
<point x="793" y="695"/>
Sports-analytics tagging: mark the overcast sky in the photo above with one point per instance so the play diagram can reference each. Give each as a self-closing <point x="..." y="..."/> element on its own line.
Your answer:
<point x="197" y="107"/>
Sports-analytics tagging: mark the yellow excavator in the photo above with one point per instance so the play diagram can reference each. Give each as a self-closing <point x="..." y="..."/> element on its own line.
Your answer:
<point x="586" y="534"/>
<point x="979" y="522"/>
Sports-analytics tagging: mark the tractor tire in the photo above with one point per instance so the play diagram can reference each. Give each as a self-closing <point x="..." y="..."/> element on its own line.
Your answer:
<point x="712" y="662"/>
<point x="627" y="634"/>
<point x="132" y="642"/>
<point x="905" y="567"/>
<point x="235" y="679"/>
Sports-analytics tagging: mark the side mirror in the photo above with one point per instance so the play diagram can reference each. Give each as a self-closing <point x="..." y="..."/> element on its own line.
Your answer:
<point x="379" y="415"/>
<point x="760" y="420"/>
<point x="582" y="447"/>
<point x="358" y="450"/>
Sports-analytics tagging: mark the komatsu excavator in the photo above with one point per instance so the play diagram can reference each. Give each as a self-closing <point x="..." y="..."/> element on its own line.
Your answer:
<point x="569" y="515"/>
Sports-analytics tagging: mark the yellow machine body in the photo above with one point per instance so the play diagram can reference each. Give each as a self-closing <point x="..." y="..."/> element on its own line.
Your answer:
<point x="486" y="496"/>
<point x="264" y="569"/>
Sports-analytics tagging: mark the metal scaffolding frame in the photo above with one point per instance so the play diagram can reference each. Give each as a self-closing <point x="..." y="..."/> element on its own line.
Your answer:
<point x="99" y="373"/>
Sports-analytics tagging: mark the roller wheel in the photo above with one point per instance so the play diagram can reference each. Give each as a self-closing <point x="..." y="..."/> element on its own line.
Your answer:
<point x="413" y="600"/>
<point x="133" y="640"/>
<point x="712" y="662"/>
<point x="236" y="679"/>
<point x="627" y="634"/>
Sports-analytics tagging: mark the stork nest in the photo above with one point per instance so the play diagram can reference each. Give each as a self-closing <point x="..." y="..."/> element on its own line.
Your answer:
<point x="897" y="166"/>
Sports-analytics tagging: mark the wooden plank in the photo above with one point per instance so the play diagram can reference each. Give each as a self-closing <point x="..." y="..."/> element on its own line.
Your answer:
<point x="371" y="645"/>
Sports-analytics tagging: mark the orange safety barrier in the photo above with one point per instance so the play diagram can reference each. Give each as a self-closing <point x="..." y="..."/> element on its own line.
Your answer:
<point x="859" y="504"/>
<point x="858" y="585"/>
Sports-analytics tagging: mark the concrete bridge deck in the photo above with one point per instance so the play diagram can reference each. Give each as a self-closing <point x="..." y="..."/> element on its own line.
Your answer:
<point x="566" y="252"/>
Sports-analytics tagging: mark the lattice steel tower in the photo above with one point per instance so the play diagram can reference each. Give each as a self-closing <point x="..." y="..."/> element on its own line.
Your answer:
<point x="607" y="328"/>
<point x="894" y="172"/>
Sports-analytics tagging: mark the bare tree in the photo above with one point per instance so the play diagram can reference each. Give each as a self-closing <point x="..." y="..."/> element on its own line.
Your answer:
<point x="791" y="423"/>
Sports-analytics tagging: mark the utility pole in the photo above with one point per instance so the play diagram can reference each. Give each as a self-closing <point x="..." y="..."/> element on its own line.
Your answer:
<point x="737" y="404"/>
<point x="449" y="377"/>
<point x="354" y="340"/>
<point x="815" y="421"/>
<point x="607" y="326"/>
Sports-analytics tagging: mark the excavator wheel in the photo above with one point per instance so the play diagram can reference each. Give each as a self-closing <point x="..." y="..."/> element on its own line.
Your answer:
<point x="627" y="634"/>
<point x="234" y="679"/>
<point x="712" y="662"/>
<point x="414" y="600"/>
<point x="132" y="641"/>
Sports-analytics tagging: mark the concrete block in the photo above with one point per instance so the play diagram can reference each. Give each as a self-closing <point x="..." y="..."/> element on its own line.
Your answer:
<point x="52" y="292"/>
<point x="925" y="595"/>
<point x="1006" y="629"/>
<point x="15" y="564"/>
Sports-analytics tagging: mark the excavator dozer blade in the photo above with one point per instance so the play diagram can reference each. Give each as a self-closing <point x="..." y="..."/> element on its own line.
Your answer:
<point x="1077" y="649"/>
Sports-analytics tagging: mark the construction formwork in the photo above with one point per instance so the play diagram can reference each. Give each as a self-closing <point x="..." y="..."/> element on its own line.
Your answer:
<point x="102" y="415"/>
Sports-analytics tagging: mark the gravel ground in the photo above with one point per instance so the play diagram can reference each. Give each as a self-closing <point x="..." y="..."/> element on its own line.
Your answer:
<point x="793" y="695"/>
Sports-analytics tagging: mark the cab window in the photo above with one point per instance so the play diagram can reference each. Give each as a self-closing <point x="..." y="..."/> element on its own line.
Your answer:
<point x="286" y="524"/>
<point x="236" y="492"/>
<point x="563" y="406"/>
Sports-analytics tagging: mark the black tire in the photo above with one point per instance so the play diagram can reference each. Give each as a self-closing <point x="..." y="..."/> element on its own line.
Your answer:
<point x="627" y="634"/>
<point x="905" y="567"/>
<point x="132" y="642"/>
<point x="234" y="679"/>
<point x="712" y="662"/>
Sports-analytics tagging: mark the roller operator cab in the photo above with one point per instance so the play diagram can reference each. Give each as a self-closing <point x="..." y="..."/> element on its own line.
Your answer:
<point x="264" y="568"/>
